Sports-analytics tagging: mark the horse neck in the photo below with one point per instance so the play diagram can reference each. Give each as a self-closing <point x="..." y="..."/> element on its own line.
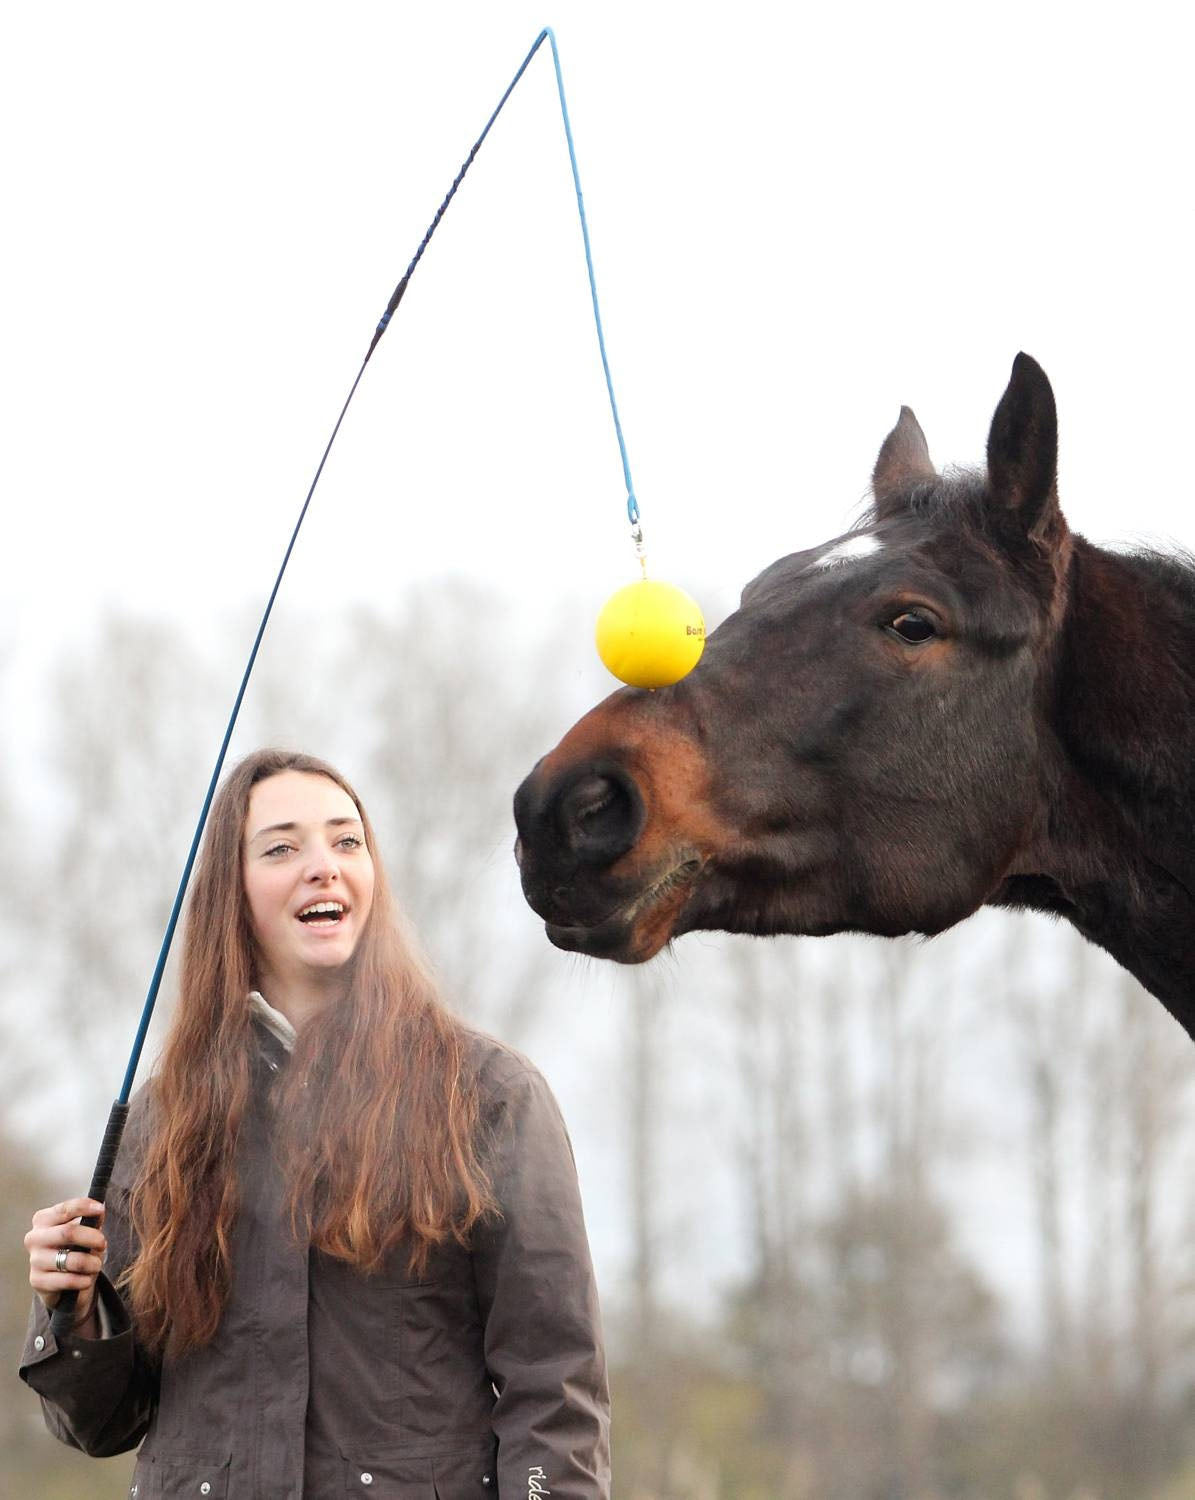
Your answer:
<point x="1126" y="686"/>
<point x="1124" y="712"/>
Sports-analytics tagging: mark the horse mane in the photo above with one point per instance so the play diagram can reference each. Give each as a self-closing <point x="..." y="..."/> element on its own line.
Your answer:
<point x="1173" y="567"/>
<point x="959" y="496"/>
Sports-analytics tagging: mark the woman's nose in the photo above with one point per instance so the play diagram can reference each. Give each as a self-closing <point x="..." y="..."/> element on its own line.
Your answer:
<point x="322" y="866"/>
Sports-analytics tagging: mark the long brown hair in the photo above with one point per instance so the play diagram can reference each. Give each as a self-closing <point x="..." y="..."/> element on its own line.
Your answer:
<point x="383" y="1150"/>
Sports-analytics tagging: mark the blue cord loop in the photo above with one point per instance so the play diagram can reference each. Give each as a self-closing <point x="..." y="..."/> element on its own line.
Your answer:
<point x="632" y="503"/>
<point x="549" y="35"/>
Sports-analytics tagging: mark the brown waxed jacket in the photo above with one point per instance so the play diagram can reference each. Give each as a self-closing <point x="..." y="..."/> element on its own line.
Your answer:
<point x="483" y="1377"/>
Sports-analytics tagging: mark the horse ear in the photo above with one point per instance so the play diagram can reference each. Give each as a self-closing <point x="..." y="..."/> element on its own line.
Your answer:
<point x="904" y="460"/>
<point x="1023" y="450"/>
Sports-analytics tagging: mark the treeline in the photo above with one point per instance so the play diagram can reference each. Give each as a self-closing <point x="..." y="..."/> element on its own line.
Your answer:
<point x="965" y="1228"/>
<point x="878" y="1221"/>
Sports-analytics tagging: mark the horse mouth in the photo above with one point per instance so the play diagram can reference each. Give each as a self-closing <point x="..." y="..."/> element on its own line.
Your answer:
<point x="638" y="929"/>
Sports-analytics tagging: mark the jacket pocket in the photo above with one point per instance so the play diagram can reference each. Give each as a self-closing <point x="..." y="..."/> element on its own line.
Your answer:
<point x="467" y="1476"/>
<point x="388" y="1479"/>
<point x="196" y="1477"/>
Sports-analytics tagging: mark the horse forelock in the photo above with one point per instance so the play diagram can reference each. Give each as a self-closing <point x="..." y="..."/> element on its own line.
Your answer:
<point x="956" y="497"/>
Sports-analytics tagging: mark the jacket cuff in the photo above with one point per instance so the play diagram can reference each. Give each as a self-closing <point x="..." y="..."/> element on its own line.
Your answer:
<point x="55" y="1369"/>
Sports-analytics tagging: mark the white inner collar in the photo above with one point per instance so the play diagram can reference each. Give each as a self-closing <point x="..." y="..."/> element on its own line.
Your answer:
<point x="273" y="1020"/>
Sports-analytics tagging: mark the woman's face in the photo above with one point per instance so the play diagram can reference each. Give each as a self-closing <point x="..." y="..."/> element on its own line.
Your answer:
<point x="308" y="878"/>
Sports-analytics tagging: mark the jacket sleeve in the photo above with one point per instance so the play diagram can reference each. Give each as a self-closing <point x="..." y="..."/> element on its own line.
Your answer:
<point x="538" y="1302"/>
<point x="98" y="1395"/>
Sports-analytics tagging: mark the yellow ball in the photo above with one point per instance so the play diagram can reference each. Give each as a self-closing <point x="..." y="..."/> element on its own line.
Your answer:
<point x="650" y="634"/>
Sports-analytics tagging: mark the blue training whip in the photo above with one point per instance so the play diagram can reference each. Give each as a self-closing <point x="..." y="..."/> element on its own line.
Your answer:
<point x="63" y="1316"/>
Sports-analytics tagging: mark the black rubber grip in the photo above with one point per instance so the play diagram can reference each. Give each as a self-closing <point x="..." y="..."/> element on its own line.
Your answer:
<point x="396" y="298"/>
<point x="62" y="1319"/>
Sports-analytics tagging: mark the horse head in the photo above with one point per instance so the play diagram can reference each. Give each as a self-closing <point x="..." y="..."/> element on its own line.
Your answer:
<point x="870" y="741"/>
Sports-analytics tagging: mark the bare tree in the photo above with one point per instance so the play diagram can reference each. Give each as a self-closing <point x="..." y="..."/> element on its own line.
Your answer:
<point x="1101" y="1061"/>
<point x="769" y="996"/>
<point x="130" y="720"/>
<point x="645" y="1072"/>
<point x="1046" y="1019"/>
<point x="1156" y="1083"/>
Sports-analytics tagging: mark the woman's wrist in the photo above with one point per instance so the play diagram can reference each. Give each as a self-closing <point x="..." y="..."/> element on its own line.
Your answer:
<point x="88" y="1325"/>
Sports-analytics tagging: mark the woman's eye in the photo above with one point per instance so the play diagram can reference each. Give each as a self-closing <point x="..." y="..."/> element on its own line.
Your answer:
<point x="913" y="627"/>
<point x="351" y="841"/>
<point x="276" y="849"/>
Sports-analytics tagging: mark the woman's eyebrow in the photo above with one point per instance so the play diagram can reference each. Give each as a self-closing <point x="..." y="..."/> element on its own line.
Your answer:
<point x="290" y="827"/>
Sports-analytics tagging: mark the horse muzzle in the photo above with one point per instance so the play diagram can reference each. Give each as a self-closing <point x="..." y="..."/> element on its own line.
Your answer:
<point x="579" y="838"/>
<point x="615" y="830"/>
<point x="639" y="928"/>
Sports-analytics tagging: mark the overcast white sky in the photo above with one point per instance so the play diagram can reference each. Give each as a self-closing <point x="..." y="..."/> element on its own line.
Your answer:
<point x="802" y="217"/>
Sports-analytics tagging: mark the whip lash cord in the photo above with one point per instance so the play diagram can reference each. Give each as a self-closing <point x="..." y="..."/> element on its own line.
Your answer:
<point x="62" y="1319"/>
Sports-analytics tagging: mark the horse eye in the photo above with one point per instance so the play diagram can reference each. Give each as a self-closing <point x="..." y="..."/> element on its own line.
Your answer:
<point x="913" y="627"/>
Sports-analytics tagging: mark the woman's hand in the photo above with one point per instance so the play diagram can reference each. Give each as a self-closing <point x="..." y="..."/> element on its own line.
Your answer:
<point x="55" y="1229"/>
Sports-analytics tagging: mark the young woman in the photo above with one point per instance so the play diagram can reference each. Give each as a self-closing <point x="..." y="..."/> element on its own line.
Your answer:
<point x="343" y="1251"/>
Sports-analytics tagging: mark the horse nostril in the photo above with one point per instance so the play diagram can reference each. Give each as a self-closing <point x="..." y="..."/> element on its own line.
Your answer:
<point x="600" y="815"/>
<point x="589" y="799"/>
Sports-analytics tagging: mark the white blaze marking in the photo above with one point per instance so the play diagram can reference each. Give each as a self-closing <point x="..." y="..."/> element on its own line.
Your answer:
<point x="850" y="550"/>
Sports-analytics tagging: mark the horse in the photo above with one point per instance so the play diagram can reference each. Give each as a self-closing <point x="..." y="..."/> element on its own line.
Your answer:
<point x="957" y="703"/>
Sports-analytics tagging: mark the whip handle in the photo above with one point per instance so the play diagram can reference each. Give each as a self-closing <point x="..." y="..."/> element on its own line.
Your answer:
<point x="63" y="1317"/>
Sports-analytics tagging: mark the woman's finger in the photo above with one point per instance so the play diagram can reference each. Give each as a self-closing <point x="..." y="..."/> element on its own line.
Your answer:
<point x="50" y="1285"/>
<point x="66" y="1255"/>
<point x="59" y="1236"/>
<point x="70" y="1208"/>
<point x="73" y="1262"/>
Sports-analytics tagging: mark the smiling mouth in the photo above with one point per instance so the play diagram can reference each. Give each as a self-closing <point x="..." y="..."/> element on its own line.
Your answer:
<point x="323" y="914"/>
<point x="640" y="928"/>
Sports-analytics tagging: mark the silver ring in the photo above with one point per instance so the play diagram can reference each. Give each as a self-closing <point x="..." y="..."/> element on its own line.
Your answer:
<point x="60" y="1260"/>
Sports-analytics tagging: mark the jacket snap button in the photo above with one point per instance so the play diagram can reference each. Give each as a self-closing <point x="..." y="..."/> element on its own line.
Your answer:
<point x="39" y="1343"/>
<point x="205" y="1488"/>
<point x="487" y="1479"/>
<point x="367" y="1479"/>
